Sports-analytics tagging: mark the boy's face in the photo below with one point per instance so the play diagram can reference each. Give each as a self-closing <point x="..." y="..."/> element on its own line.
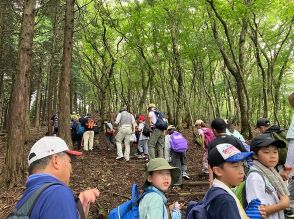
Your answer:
<point x="261" y="129"/>
<point x="268" y="156"/>
<point x="161" y="179"/>
<point x="232" y="174"/>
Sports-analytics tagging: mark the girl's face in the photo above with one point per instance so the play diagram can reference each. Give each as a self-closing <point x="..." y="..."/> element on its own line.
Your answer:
<point x="268" y="156"/>
<point x="161" y="179"/>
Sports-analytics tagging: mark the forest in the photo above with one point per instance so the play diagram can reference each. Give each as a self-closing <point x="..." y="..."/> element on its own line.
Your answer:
<point x="194" y="59"/>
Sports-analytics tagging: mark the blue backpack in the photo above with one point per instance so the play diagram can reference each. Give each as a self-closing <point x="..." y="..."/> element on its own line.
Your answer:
<point x="129" y="209"/>
<point x="80" y="129"/>
<point x="160" y="122"/>
<point x="198" y="210"/>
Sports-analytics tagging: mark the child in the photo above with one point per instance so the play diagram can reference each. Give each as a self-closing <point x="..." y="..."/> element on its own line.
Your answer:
<point x="178" y="157"/>
<point x="142" y="143"/>
<point x="205" y="135"/>
<point x="109" y="134"/>
<point x="226" y="163"/>
<point x="287" y="172"/>
<point x="159" y="176"/>
<point x="263" y="181"/>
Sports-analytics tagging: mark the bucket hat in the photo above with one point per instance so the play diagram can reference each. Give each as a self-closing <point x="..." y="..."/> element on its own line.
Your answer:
<point x="161" y="164"/>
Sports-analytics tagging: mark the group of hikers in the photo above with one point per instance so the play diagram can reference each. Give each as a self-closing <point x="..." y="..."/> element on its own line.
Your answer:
<point x="248" y="179"/>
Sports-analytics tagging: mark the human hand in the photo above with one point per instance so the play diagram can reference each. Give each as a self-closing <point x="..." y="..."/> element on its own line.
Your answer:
<point x="262" y="212"/>
<point x="284" y="201"/>
<point x="87" y="197"/>
<point x="285" y="174"/>
<point x="175" y="205"/>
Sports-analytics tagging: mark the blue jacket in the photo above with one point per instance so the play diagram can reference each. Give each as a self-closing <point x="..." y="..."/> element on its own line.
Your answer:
<point x="56" y="202"/>
<point x="223" y="207"/>
<point x="153" y="206"/>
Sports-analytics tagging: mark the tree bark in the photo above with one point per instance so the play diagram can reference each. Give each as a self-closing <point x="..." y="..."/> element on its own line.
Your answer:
<point x="64" y="85"/>
<point x="235" y="65"/>
<point x="38" y="99"/>
<point x="14" y="162"/>
<point x="53" y="73"/>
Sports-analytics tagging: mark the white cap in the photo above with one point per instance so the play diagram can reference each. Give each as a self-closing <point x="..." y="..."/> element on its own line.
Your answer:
<point x="47" y="146"/>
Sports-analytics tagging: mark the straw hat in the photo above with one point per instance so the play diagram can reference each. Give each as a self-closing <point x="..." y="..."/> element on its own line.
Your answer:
<point x="151" y="105"/>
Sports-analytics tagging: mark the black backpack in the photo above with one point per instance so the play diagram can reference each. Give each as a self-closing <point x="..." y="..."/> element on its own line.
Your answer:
<point x="279" y="134"/>
<point x="161" y="124"/>
<point x="26" y="208"/>
<point x="146" y="130"/>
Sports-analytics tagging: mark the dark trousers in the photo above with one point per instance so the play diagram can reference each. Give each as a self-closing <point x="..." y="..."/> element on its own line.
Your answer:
<point x="179" y="160"/>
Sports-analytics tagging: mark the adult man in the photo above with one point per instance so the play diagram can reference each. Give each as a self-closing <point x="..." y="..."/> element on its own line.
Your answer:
<point x="156" y="140"/>
<point x="54" y="122"/>
<point x="127" y="125"/>
<point x="88" y="136"/>
<point x="50" y="162"/>
<point x="262" y="125"/>
<point x="219" y="129"/>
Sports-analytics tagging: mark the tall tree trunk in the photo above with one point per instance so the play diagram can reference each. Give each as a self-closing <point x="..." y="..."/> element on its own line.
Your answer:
<point x="14" y="162"/>
<point x="52" y="78"/>
<point x="38" y="99"/>
<point x="234" y="61"/>
<point x="179" y="76"/>
<point x="64" y="85"/>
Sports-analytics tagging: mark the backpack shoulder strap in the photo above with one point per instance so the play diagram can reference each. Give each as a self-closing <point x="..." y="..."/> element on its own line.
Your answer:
<point x="28" y="205"/>
<point x="149" y="191"/>
<point x="210" y="196"/>
<point x="79" y="207"/>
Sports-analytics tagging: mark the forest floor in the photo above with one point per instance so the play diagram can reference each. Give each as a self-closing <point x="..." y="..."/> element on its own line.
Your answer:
<point x="99" y="169"/>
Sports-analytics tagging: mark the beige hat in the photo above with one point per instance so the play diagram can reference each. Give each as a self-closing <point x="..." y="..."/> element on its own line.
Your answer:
<point x="199" y="122"/>
<point x="171" y="127"/>
<point x="151" y="105"/>
<point x="162" y="164"/>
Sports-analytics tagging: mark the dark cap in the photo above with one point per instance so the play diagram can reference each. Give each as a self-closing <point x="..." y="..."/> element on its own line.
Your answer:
<point x="218" y="124"/>
<point x="262" y="122"/>
<point x="265" y="140"/>
<point x="226" y="153"/>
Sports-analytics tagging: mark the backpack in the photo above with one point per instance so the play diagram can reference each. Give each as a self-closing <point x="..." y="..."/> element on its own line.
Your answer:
<point x="129" y="209"/>
<point x="146" y="130"/>
<point x="161" y="124"/>
<point x="80" y="129"/>
<point x="90" y="124"/>
<point x="198" y="210"/>
<point x="208" y="136"/>
<point x="178" y="143"/>
<point x="240" y="190"/>
<point x="279" y="134"/>
<point x="26" y="208"/>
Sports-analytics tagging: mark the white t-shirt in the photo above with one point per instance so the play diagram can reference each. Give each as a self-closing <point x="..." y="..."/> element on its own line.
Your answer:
<point x="167" y="148"/>
<point x="255" y="188"/>
<point x="153" y="117"/>
<point x="236" y="134"/>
